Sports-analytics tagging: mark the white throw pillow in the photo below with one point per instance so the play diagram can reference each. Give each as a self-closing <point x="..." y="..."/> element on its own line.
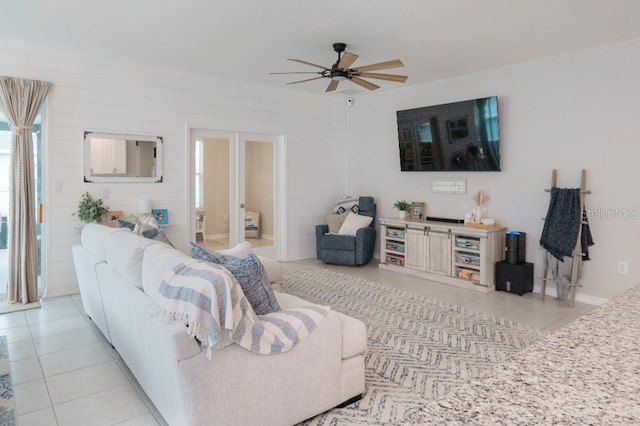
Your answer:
<point x="241" y="250"/>
<point x="353" y="222"/>
<point x="335" y="221"/>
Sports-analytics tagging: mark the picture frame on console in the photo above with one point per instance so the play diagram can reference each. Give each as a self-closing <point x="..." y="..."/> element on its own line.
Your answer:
<point x="418" y="210"/>
<point x="161" y="216"/>
<point x="112" y="216"/>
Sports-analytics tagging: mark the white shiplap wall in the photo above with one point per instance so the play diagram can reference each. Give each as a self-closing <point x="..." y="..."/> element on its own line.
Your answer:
<point x="126" y="99"/>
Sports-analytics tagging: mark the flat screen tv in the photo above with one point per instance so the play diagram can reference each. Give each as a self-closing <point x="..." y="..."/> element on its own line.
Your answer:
<point x="456" y="137"/>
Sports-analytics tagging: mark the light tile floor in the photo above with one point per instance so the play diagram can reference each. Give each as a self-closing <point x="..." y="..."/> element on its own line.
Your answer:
<point x="65" y="373"/>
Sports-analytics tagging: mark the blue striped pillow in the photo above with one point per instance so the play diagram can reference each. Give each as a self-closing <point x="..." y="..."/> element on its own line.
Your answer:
<point x="250" y="274"/>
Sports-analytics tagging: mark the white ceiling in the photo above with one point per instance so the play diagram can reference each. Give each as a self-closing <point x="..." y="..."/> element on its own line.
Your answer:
<point x="247" y="39"/>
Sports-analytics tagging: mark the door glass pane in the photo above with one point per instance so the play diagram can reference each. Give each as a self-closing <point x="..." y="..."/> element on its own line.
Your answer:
<point x="5" y="165"/>
<point x="5" y="169"/>
<point x="212" y="184"/>
<point x="259" y="193"/>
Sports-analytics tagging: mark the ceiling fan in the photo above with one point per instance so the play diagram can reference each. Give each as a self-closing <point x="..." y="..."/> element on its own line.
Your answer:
<point x="341" y="70"/>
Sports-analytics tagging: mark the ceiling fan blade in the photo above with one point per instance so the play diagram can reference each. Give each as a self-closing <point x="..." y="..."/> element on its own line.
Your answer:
<point x="308" y="63"/>
<point x="364" y="83"/>
<point x="309" y="79"/>
<point x="333" y="85"/>
<point x="296" y="72"/>
<point x="396" y="63"/>
<point x="347" y="60"/>
<point x="389" y="77"/>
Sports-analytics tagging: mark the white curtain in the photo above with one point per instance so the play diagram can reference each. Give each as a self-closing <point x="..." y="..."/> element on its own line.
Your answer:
<point x="20" y="101"/>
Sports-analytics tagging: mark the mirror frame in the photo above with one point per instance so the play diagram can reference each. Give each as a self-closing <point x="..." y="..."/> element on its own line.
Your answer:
<point x="88" y="136"/>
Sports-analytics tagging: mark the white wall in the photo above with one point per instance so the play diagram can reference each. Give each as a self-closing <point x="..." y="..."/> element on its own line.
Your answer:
<point x="571" y="112"/>
<point x="125" y="99"/>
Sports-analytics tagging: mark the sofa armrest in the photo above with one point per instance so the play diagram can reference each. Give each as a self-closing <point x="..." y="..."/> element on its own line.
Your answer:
<point x="365" y="243"/>
<point x="320" y="231"/>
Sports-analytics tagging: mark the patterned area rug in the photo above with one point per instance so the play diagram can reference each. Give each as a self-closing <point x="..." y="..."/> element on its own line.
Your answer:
<point x="7" y="403"/>
<point x="418" y="349"/>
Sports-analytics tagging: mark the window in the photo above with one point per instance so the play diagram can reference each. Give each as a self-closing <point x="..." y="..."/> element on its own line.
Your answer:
<point x="199" y="174"/>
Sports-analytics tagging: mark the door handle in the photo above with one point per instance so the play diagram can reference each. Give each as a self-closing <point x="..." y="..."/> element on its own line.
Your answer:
<point x="242" y="205"/>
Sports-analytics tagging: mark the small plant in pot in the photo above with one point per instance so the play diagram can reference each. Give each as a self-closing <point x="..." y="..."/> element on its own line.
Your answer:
<point x="403" y="207"/>
<point x="90" y="209"/>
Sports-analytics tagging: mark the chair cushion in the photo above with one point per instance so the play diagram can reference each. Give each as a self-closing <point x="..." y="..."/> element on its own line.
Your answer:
<point x="353" y="222"/>
<point x="338" y="242"/>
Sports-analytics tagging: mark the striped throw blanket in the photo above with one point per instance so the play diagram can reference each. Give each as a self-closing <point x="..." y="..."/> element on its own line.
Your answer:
<point x="209" y="301"/>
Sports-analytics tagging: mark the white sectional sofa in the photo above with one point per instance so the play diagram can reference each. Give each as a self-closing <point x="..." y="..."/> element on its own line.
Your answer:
<point x="119" y="274"/>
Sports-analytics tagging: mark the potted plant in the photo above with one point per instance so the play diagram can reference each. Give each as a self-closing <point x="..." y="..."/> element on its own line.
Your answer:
<point x="90" y="209"/>
<point x="403" y="207"/>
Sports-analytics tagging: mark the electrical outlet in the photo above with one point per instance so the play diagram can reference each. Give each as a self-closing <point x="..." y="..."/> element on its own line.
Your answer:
<point x="623" y="268"/>
<point x="106" y="193"/>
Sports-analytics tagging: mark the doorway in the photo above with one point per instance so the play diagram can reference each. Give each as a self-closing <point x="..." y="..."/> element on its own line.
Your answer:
<point x="237" y="187"/>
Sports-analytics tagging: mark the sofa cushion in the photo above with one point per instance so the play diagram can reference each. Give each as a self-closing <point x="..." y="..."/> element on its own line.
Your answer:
<point x="271" y="267"/>
<point x="157" y="262"/>
<point x="240" y="250"/>
<point x="353" y="222"/>
<point x="250" y="274"/>
<point x="93" y="237"/>
<point x="125" y="224"/>
<point x="124" y="251"/>
<point x="354" y="332"/>
<point x="338" y="242"/>
<point x="254" y="282"/>
<point x="354" y="336"/>
<point x="147" y="230"/>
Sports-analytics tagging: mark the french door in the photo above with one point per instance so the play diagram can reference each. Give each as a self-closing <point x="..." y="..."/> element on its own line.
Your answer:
<point x="237" y="187"/>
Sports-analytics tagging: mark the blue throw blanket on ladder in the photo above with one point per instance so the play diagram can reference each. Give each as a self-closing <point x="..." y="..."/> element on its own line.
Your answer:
<point x="563" y="222"/>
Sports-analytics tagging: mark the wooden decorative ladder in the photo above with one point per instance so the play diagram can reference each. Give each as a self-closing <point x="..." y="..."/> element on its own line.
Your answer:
<point x="577" y="251"/>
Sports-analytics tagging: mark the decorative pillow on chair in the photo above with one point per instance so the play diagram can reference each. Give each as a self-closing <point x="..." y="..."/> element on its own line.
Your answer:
<point x="345" y="204"/>
<point x="353" y="222"/>
<point x="335" y="221"/>
<point x="250" y="274"/>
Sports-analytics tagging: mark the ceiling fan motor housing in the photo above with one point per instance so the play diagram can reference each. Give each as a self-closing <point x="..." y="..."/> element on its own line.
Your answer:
<point x="339" y="47"/>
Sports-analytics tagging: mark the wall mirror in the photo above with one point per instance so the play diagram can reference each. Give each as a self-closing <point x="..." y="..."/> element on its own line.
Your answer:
<point x="111" y="157"/>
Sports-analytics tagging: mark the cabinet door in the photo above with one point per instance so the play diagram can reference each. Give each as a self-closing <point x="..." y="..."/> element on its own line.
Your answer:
<point x="97" y="168"/>
<point x="415" y="249"/>
<point x="112" y="156"/>
<point x="119" y="158"/>
<point x="439" y="253"/>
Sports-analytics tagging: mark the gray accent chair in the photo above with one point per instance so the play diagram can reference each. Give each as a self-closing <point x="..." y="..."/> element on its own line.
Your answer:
<point x="347" y="249"/>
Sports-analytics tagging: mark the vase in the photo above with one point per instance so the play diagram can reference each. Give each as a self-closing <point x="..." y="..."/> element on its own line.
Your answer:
<point x="402" y="214"/>
<point x="477" y="215"/>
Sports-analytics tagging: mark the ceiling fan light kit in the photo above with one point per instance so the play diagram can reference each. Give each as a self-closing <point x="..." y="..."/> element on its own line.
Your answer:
<point x="342" y="70"/>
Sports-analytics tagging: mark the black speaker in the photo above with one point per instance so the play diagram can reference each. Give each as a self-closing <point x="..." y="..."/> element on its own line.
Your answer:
<point x="515" y="247"/>
<point x="514" y="278"/>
